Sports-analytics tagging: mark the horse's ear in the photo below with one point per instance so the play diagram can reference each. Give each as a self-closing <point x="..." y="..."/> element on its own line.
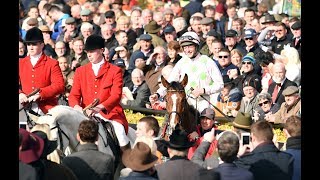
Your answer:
<point x="164" y="82"/>
<point x="184" y="82"/>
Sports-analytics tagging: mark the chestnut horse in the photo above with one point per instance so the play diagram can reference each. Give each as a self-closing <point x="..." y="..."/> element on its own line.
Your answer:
<point x="180" y="113"/>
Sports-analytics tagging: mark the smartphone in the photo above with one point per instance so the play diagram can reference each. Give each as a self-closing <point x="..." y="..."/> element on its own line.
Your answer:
<point x="245" y="138"/>
<point x="23" y="125"/>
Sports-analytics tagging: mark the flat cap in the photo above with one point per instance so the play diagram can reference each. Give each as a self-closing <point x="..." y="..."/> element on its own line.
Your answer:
<point x="145" y="37"/>
<point x="70" y="20"/>
<point x="231" y="33"/>
<point x="290" y="90"/>
<point x="206" y="21"/>
<point x="168" y="29"/>
<point x="168" y="11"/>
<point x="85" y="12"/>
<point x="296" y="25"/>
<point x="213" y="33"/>
<point x="109" y="14"/>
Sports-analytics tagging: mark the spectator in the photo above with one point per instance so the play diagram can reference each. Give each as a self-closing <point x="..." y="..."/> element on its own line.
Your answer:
<point x="228" y="147"/>
<point x="174" y="51"/>
<point x="39" y="71"/>
<point x="292" y="129"/>
<point x="56" y="13"/>
<point x="68" y="79"/>
<point x="127" y="82"/>
<point x="266" y="107"/>
<point x="34" y="150"/>
<point x="263" y="153"/>
<point x="100" y="79"/>
<point x="207" y="122"/>
<point x="88" y="162"/>
<point x="178" y="149"/>
<point x="141" y="161"/>
<point x="291" y="106"/>
<point x="279" y="84"/>
<point x="149" y="126"/>
<point x="229" y="98"/>
<point x="26" y="171"/>
<point x="140" y="90"/>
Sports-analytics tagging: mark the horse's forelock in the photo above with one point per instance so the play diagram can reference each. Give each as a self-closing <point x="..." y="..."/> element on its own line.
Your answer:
<point x="175" y="86"/>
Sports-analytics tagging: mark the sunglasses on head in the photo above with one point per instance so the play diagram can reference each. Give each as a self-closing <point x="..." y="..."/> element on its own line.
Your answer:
<point x="247" y="62"/>
<point x="226" y="56"/>
<point x="265" y="102"/>
<point x="248" y="39"/>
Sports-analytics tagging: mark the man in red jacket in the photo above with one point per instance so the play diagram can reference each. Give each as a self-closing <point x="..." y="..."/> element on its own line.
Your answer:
<point x="103" y="80"/>
<point x="38" y="71"/>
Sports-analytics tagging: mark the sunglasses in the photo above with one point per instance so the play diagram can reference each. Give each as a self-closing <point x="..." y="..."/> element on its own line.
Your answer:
<point x="248" y="62"/>
<point x="226" y="56"/>
<point x="265" y="102"/>
<point x="246" y="39"/>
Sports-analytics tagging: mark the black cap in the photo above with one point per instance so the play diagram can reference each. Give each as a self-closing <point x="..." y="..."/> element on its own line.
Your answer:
<point x="296" y="25"/>
<point x="119" y="62"/>
<point x="94" y="42"/>
<point x="231" y="33"/>
<point x="109" y="14"/>
<point x="34" y="35"/>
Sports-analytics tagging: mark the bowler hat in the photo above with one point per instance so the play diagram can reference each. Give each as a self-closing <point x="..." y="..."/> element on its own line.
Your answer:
<point x="94" y="42"/>
<point x="49" y="146"/>
<point x="290" y="90"/>
<point x="152" y="27"/>
<point x="242" y="120"/>
<point x="178" y="140"/>
<point x="31" y="146"/>
<point x="139" y="158"/>
<point x="208" y="112"/>
<point x="34" y="35"/>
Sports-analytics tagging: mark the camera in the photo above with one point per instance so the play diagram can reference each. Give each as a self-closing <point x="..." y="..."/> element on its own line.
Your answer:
<point x="245" y="138"/>
<point x="23" y="125"/>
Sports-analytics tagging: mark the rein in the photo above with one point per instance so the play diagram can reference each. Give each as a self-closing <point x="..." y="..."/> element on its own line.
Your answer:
<point x="60" y="132"/>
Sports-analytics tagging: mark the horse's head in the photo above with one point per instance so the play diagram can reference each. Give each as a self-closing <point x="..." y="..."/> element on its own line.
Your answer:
<point x="176" y="100"/>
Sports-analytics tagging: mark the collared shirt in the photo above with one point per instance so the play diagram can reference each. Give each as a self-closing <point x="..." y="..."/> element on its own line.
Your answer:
<point x="34" y="59"/>
<point x="96" y="67"/>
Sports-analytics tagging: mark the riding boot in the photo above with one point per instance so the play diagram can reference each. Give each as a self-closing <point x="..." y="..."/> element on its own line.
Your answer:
<point x="126" y="147"/>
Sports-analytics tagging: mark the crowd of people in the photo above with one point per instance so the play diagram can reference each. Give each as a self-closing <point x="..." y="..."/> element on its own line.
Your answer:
<point x="242" y="60"/>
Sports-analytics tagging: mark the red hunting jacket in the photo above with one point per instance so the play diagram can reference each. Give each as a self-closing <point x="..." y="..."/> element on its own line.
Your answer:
<point x="107" y="87"/>
<point x="46" y="75"/>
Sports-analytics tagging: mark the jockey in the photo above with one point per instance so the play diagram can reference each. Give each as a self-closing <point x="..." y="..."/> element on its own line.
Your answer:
<point x="103" y="80"/>
<point x="204" y="75"/>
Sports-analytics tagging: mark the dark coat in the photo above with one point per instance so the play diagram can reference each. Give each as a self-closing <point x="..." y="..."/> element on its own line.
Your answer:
<point x="141" y="96"/>
<point x="138" y="176"/>
<point x="178" y="168"/>
<point x="229" y="171"/>
<point x="27" y="172"/>
<point x="89" y="163"/>
<point x="293" y="147"/>
<point x="267" y="162"/>
<point x="280" y="97"/>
